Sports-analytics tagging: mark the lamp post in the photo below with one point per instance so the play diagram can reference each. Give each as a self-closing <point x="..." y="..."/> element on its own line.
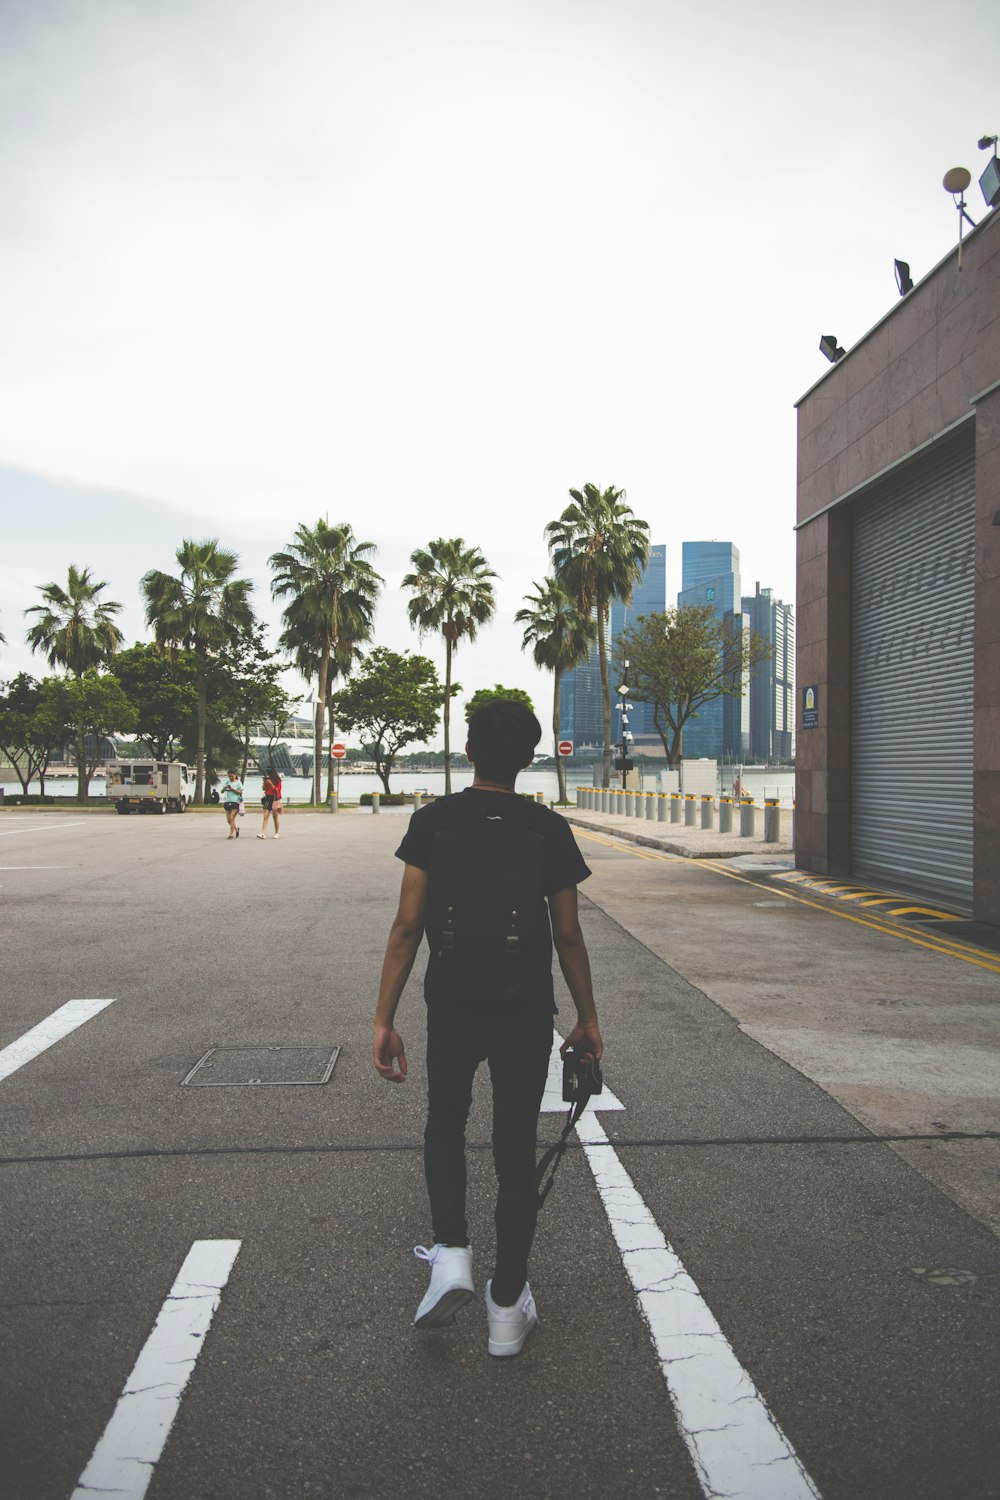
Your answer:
<point x="623" y="763"/>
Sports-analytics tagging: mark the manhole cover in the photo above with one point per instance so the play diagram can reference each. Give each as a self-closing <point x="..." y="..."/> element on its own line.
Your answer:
<point x="226" y="1067"/>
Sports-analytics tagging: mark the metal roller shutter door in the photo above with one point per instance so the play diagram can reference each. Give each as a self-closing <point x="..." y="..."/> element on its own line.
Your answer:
<point x="912" y="594"/>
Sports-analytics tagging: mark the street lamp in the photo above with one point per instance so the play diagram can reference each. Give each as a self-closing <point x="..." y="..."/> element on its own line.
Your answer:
<point x="623" y="764"/>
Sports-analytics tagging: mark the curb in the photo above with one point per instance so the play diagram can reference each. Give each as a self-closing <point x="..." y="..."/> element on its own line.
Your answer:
<point x="666" y="846"/>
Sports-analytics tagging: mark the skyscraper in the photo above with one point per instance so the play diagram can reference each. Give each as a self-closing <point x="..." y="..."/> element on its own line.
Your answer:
<point x="710" y="575"/>
<point x="581" y="708"/>
<point x="648" y="597"/>
<point x="772" y="688"/>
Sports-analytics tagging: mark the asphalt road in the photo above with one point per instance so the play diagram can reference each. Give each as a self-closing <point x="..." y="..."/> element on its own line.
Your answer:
<point x="807" y="1238"/>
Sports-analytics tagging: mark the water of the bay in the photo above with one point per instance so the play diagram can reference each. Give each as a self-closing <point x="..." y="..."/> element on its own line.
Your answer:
<point x="758" y="782"/>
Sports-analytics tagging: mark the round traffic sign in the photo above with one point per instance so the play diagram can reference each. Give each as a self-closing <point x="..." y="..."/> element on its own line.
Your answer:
<point x="338" y="751"/>
<point x="565" y="747"/>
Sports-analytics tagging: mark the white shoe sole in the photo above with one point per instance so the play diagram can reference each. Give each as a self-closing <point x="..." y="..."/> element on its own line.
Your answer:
<point x="442" y="1314"/>
<point x="502" y="1348"/>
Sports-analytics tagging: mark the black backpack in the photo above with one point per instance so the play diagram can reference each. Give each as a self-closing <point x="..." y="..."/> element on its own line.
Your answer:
<point x="487" y="920"/>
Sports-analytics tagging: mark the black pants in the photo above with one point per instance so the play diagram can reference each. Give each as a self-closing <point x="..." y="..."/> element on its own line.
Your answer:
<point x="516" y="1042"/>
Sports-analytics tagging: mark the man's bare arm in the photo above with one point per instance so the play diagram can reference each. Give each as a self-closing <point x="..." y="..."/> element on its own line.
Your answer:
<point x="400" y="951"/>
<point x="575" y="964"/>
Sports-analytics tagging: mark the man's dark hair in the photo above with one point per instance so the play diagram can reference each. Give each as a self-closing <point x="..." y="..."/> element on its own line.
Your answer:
<point x="502" y="738"/>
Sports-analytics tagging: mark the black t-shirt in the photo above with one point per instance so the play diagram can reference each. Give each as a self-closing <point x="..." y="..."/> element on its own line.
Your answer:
<point x="563" y="864"/>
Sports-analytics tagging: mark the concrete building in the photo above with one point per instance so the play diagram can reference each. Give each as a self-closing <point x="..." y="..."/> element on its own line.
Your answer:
<point x="772" y="695"/>
<point x="898" y="612"/>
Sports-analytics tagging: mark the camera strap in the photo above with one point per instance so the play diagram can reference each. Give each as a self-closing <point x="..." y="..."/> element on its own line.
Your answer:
<point x="554" y="1154"/>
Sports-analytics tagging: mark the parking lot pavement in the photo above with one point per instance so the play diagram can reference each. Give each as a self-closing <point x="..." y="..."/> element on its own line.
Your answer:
<point x="736" y="1237"/>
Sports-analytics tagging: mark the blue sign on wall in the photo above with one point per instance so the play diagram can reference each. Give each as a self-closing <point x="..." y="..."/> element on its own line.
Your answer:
<point x="810" y="707"/>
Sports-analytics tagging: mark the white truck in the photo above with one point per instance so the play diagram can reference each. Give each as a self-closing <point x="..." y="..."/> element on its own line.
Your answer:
<point x="149" y="786"/>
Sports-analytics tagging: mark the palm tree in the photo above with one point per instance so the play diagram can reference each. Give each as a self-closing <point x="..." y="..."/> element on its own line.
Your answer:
<point x="332" y="589"/>
<point x="599" y="548"/>
<point x="561" y="635"/>
<point x="355" y="628"/>
<point x="201" y="610"/>
<point x="76" y="630"/>
<point x="452" y="593"/>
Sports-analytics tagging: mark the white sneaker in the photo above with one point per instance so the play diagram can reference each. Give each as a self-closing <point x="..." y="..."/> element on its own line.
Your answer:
<point x="510" y="1326"/>
<point x="451" y="1284"/>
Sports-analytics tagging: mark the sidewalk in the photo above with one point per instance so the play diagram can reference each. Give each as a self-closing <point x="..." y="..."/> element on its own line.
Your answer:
<point x="901" y="1029"/>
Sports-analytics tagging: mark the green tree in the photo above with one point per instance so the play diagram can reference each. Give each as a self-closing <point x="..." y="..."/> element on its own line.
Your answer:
<point x="162" y="686"/>
<point x="560" y="634"/>
<point x="393" y="700"/>
<point x="92" y="706"/>
<point x="332" y="589"/>
<point x="250" y="691"/>
<point x="30" y="727"/>
<point x="599" y="549"/>
<point x="452" y="594"/>
<point x="682" y="659"/>
<point x="76" y="630"/>
<point x="489" y="695"/>
<point x="201" y="610"/>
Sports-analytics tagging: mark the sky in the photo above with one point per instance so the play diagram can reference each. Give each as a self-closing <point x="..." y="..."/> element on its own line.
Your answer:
<point x="424" y="265"/>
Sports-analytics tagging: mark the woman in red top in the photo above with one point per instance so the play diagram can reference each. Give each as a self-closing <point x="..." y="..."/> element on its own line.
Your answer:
<point x="272" y="802"/>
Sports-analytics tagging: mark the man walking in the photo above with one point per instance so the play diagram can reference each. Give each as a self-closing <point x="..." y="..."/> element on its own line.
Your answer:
<point x="492" y="880"/>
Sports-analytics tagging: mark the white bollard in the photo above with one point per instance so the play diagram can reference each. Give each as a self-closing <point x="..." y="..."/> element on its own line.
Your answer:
<point x="725" y="814"/>
<point x="662" y="807"/>
<point x="689" y="810"/>
<point x="675" y="807"/>
<point x="772" y="820"/>
<point x="376" y="799"/>
<point x="708" y="812"/>
<point x="747" y="819"/>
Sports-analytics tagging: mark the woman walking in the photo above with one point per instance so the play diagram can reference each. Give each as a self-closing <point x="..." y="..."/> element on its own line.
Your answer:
<point x="232" y="800"/>
<point x="272" y="802"/>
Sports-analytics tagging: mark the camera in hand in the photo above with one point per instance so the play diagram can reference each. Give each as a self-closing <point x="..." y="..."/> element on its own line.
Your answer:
<point x="581" y="1076"/>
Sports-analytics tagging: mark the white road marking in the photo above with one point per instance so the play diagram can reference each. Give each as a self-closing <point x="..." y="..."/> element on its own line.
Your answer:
<point x="61" y="1022"/>
<point x="737" y="1448"/>
<point x="41" y="828"/>
<point x="132" y="1443"/>
<point x="34" y="867"/>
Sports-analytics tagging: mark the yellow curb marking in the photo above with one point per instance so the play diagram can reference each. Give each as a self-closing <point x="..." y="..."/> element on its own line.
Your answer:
<point x="945" y="946"/>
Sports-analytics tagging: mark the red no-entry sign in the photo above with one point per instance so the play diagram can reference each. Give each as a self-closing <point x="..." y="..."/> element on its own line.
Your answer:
<point x="565" y="747"/>
<point x="338" y="751"/>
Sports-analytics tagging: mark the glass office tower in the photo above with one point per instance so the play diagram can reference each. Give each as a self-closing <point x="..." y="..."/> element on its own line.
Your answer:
<point x="648" y="597"/>
<point x="710" y="575"/>
<point x="581" y="710"/>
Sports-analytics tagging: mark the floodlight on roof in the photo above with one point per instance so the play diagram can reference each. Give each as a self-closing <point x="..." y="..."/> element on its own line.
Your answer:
<point x="903" y="279"/>
<point x="828" y="345"/>
<point x="989" y="182"/>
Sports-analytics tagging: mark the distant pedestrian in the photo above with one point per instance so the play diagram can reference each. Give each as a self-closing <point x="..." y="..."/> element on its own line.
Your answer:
<point x="272" y="802"/>
<point x="483" y="854"/>
<point x="232" y="799"/>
